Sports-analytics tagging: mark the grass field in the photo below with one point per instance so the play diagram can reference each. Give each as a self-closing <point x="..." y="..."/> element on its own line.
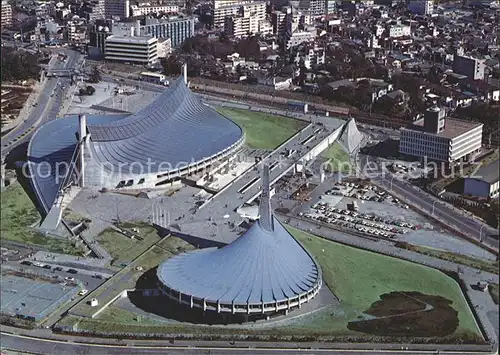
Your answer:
<point x="338" y="159"/>
<point x="124" y="249"/>
<point x="481" y="264"/>
<point x="19" y="214"/>
<point x="494" y="292"/>
<point x="359" y="277"/>
<point x="263" y="131"/>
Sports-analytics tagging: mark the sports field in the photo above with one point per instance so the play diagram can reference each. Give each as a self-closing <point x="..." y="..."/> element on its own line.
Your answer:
<point x="360" y="277"/>
<point x="263" y="131"/>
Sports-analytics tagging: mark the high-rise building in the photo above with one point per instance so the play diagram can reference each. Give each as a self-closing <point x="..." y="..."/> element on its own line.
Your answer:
<point x="6" y="14"/>
<point x="421" y="7"/>
<point x="178" y="29"/>
<point x="470" y="66"/>
<point x="239" y="26"/>
<point x="278" y="20"/>
<point x="223" y="9"/>
<point x="315" y="8"/>
<point x="117" y="8"/>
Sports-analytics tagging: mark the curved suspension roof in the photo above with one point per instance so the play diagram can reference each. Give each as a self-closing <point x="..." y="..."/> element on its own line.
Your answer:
<point x="259" y="267"/>
<point x="50" y="151"/>
<point x="176" y="130"/>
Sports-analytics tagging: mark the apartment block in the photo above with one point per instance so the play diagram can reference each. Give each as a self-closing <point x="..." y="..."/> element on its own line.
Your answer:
<point x="6" y="14"/>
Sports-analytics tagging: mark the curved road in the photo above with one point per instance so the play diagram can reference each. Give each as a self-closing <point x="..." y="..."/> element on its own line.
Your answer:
<point x="49" y="103"/>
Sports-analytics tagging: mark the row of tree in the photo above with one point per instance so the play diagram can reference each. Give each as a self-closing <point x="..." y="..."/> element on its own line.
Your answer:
<point x="17" y="65"/>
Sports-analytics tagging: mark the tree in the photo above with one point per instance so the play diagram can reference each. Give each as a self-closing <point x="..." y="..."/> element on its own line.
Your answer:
<point x="95" y="75"/>
<point x="18" y="65"/>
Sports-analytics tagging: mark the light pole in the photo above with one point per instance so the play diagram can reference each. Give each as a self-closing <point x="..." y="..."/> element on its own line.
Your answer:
<point x="392" y="178"/>
<point x="434" y="206"/>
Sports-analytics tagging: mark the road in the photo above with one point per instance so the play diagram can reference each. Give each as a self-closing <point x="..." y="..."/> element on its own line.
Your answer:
<point x="49" y="103"/>
<point x="75" y="345"/>
<point x="443" y="212"/>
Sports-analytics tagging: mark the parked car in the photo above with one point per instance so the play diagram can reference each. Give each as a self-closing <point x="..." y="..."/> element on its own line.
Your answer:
<point x="67" y="278"/>
<point x="58" y="268"/>
<point x="72" y="271"/>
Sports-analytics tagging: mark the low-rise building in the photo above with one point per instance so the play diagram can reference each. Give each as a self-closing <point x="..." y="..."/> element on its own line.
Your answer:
<point x="147" y="8"/>
<point x="133" y="49"/>
<point x="442" y="139"/>
<point x="484" y="182"/>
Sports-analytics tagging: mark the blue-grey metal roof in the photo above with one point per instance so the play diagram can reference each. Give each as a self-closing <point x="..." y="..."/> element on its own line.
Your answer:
<point x="50" y="151"/>
<point x="260" y="266"/>
<point x="176" y="130"/>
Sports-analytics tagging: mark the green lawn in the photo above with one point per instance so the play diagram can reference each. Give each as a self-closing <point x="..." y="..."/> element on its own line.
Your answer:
<point x="359" y="277"/>
<point x="17" y="217"/>
<point x="338" y="159"/>
<point x="494" y="292"/>
<point x="481" y="264"/>
<point x="124" y="249"/>
<point x="263" y="131"/>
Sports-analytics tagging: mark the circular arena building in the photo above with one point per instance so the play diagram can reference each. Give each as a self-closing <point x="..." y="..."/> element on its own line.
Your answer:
<point x="174" y="136"/>
<point x="263" y="272"/>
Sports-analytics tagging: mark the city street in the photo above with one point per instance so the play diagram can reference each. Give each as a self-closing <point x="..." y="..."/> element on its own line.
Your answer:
<point x="52" y="94"/>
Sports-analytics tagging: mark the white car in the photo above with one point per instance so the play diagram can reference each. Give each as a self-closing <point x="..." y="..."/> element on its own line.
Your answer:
<point x="83" y="292"/>
<point x="68" y="278"/>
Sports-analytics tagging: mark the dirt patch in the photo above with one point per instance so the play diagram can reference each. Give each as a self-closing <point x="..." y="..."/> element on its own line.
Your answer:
<point x="411" y="314"/>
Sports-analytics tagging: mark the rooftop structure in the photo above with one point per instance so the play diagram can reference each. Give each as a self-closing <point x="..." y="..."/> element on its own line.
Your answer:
<point x="264" y="271"/>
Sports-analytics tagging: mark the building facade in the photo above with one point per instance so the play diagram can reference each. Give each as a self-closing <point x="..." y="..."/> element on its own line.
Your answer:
<point x="225" y="9"/>
<point x="421" y="7"/>
<point x="117" y="8"/>
<point x="176" y="28"/>
<point x="439" y="138"/>
<point x="472" y="67"/>
<point x="133" y="49"/>
<point x="146" y="9"/>
<point x="6" y="14"/>
<point x="484" y="182"/>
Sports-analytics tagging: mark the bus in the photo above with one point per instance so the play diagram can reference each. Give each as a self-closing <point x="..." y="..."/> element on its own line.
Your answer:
<point x="155" y="78"/>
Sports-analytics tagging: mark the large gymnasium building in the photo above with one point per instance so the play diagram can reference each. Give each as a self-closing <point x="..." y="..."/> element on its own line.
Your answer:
<point x="174" y="136"/>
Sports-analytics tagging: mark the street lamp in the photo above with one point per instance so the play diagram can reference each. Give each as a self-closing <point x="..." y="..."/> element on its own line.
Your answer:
<point x="392" y="178"/>
<point x="434" y="206"/>
<point x="481" y="233"/>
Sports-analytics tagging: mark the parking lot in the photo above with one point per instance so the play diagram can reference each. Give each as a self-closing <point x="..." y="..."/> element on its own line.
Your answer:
<point x="347" y="215"/>
<point x="363" y="208"/>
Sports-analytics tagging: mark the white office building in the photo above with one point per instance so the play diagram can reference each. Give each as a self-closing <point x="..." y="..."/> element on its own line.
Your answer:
<point x="131" y="49"/>
<point x="439" y="138"/>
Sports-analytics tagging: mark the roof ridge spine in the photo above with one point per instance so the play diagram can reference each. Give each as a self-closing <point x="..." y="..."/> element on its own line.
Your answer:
<point x="265" y="212"/>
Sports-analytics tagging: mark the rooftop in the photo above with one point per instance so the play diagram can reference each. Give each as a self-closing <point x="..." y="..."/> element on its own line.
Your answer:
<point x="453" y="128"/>
<point x="489" y="173"/>
<point x="131" y="39"/>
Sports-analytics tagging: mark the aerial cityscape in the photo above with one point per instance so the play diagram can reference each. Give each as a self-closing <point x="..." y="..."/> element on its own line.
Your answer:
<point x="250" y="177"/>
